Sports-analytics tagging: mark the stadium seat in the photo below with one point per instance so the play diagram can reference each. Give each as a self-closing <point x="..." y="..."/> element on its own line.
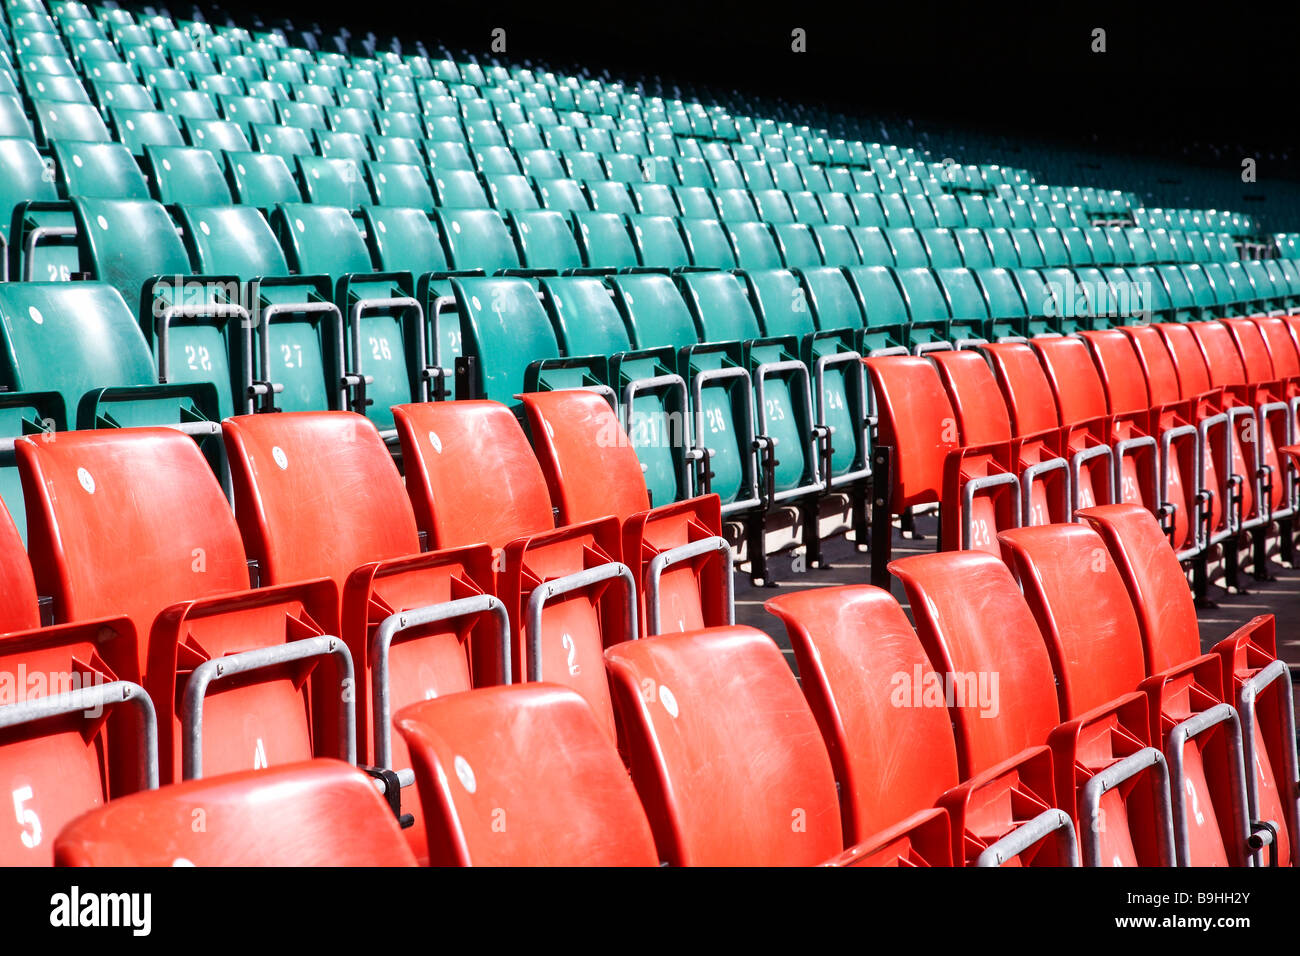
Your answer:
<point x="317" y="813"/>
<point x="132" y="522"/>
<point x="534" y="757"/>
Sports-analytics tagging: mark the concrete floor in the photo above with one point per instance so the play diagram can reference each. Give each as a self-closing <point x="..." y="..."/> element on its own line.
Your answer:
<point x="1280" y="597"/>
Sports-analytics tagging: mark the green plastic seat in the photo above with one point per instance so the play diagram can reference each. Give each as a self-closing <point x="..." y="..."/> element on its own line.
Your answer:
<point x="72" y="356"/>
<point x="966" y="304"/>
<point x="137" y="129"/>
<point x="1008" y="313"/>
<point x="838" y="377"/>
<point x="754" y="246"/>
<point x="216" y="136"/>
<point x="129" y="244"/>
<point x="610" y="196"/>
<point x="261" y="179"/>
<point x="545" y="240"/>
<point x="396" y="149"/>
<point x="186" y="174"/>
<point x="797" y="245"/>
<point x="720" y="422"/>
<point x="836" y="245"/>
<point x="883" y="307"/>
<point x="658" y="242"/>
<point x="332" y="182"/>
<point x="385" y="348"/>
<point x="99" y="170"/>
<point x="28" y="201"/>
<point x="334" y="145"/>
<point x="67" y="121"/>
<point x="396" y="184"/>
<point x="288" y="142"/>
<point x="509" y="344"/>
<point x="706" y="243"/>
<point x="941" y="248"/>
<point x="604" y="241"/>
<point x="510" y="191"/>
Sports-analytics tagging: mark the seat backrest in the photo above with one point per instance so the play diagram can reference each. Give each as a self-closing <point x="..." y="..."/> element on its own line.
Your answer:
<point x="1120" y="369"/>
<point x="70" y="338"/>
<point x="403" y="239"/>
<point x="585" y="317"/>
<point x="523" y="776"/>
<point x="982" y="639"/>
<point x="724" y="699"/>
<point x="505" y="328"/>
<point x="1075" y="382"/>
<point x="1189" y="361"/>
<point x="99" y="170"/>
<point x="477" y="239"/>
<point x="316" y="494"/>
<point x="1157" y="364"/>
<point x="982" y="417"/>
<point x="722" y="310"/>
<point x="1083" y="611"/>
<point x="232" y="240"/>
<point x="1156" y="583"/>
<point x="321" y="240"/>
<point x="316" y="813"/>
<point x="591" y="468"/>
<point x="187" y="174"/>
<point x="918" y="421"/>
<point x="1025" y="387"/>
<point x="654" y="310"/>
<point x="125" y="242"/>
<point x="261" y="179"/>
<point x="781" y="302"/>
<point x="863" y="669"/>
<point x="126" y="522"/>
<point x="447" y="449"/>
<point x="1221" y="355"/>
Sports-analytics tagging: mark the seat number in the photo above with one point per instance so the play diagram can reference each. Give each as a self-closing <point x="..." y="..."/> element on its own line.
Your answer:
<point x="27" y="818"/>
<point x="379" y="349"/>
<point x="197" y="358"/>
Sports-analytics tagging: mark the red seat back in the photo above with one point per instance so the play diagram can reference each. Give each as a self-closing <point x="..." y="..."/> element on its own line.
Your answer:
<point x="1083" y="611"/>
<point x="18" y="600"/>
<point x="1221" y="355"/>
<point x="725" y="753"/>
<point x="1075" y="382"/>
<point x="1157" y="364"/>
<point x="471" y="474"/>
<point x="981" y="636"/>
<point x="523" y="776"/>
<point x="317" y="494"/>
<point x="1025" y="387"/>
<point x="1282" y="347"/>
<point x="865" y="674"/>
<point x="1156" y="584"/>
<point x="127" y="522"/>
<point x="590" y="465"/>
<point x="1189" y="362"/>
<point x="982" y="416"/>
<point x="918" y="420"/>
<point x="1252" y="349"/>
<point x="317" y="813"/>
<point x="1122" y="375"/>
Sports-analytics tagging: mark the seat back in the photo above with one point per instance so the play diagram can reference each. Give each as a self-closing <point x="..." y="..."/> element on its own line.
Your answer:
<point x="724" y="699"/>
<point x="324" y="473"/>
<point x="864" y="671"/>
<point x="1025" y="387"/>
<point x="1083" y="610"/>
<point x="1157" y="586"/>
<point x="317" y="813"/>
<point x="981" y="636"/>
<point x="523" y="776"/>
<point x="1075" y="381"/>
<point x="982" y="416"/>
<point x="447" y="449"/>
<point x="918" y="421"/>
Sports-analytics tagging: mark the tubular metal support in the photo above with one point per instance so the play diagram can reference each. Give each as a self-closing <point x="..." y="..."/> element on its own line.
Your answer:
<point x="1027" y="834"/>
<point x="578" y="581"/>
<point x="1117" y="773"/>
<point x="665" y="559"/>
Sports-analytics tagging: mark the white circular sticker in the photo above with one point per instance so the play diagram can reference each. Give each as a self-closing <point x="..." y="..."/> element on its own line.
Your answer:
<point x="669" y="701"/>
<point x="203" y="228"/>
<point x="466" y="773"/>
<point x="103" y="223"/>
<point x="35" y="313"/>
<point x="181" y="861"/>
<point x="436" y="442"/>
<point x="455" y="227"/>
<point x="76" y="160"/>
<point x="87" y="480"/>
<point x="301" y="227"/>
<point x="280" y="457"/>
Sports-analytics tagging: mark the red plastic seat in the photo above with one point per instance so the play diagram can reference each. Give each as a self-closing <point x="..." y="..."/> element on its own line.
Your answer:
<point x="1254" y="681"/>
<point x="316" y="813"/>
<point x="318" y="495"/>
<point x="1220" y="416"/>
<point x="983" y="420"/>
<point x="919" y="444"/>
<point x="866" y="678"/>
<point x="592" y="471"/>
<point x="1030" y="398"/>
<point x="571" y="575"/>
<point x="1158" y="460"/>
<point x="132" y="522"/>
<point x="1086" y="615"/>
<point x="523" y="776"/>
<point x="724" y="752"/>
<point x="978" y="630"/>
